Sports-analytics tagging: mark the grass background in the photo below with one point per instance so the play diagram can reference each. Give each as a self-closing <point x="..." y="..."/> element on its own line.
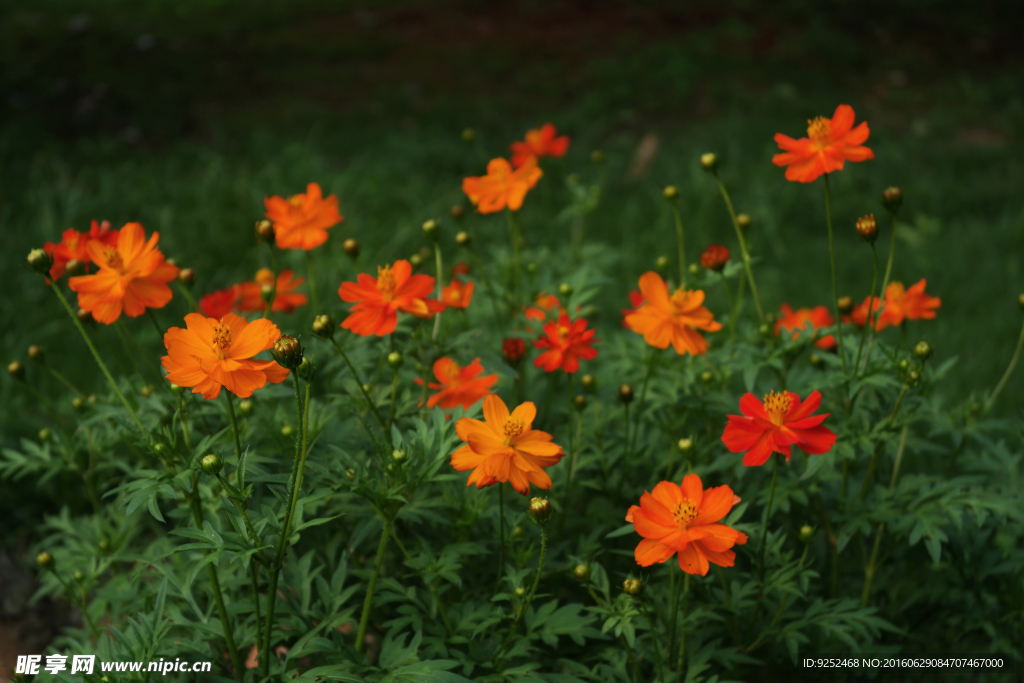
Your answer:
<point x="183" y="115"/>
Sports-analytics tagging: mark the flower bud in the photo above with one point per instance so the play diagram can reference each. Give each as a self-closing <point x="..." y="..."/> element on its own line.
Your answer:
<point x="1020" y="300"/>
<point x="160" y="449"/>
<point x="147" y="390"/>
<point x="246" y="407"/>
<point x="45" y="435"/>
<point x="85" y="317"/>
<point x="520" y="591"/>
<point x="845" y="304"/>
<point x="806" y="533"/>
<point x="78" y="576"/>
<point x="323" y="326"/>
<point x="91" y="399"/>
<point x="904" y="364"/>
<point x="266" y="292"/>
<point x="398" y="455"/>
<point x="212" y="465"/>
<point x="45" y="561"/>
<point x="395" y="360"/>
<point x="625" y="393"/>
<point x="513" y="349"/>
<point x="463" y="239"/>
<point x="103" y="545"/>
<point x="531" y="268"/>
<point x="176" y="389"/>
<point x="817" y="361"/>
<point x="581" y="573"/>
<point x="580" y="401"/>
<point x="351" y="248"/>
<point x="596" y="157"/>
<point x="707" y="376"/>
<point x="685" y="445"/>
<point x="693" y="269"/>
<point x="588" y="383"/>
<point x="671" y="193"/>
<point x="913" y="378"/>
<point x="867" y="228"/>
<point x="565" y="289"/>
<point x="78" y="403"/>
<point x="40" y="261"/>
<point x="892" y="197"/>
<point x="36" y="354"/>
<point x="715" y="257"/>
<point x="468" y="135"/>
<point x="709" y="162"/>
<point x="265" y="232"/>
<point x="457" y="212"/>
<point x="743" y="220"/>
<point x="287" y="430"/>
<point x="287" y="351"/>
<point x="540" y="510"/>
<point x="16" y="370"/>
<point x="305" y="370"/>
<point x="661" y="263"/>
<point x="517" y="531"/>
<point x="765" y="330"/>
<point x="416" y="260"/>
<point x="171" y="261"/>
<point x="74" y="267"/>
<point x="430" y="228"/>
<point x="633" y="587"/>
<point x="923" y="350"/>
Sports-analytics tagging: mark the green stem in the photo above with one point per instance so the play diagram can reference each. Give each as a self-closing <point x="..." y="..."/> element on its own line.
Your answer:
<point x="273" y="285"/>
<point x="478" y="264"/>
<point x="674" y="588"/>
<point x="312" y="285"/>
<point x="81" y="603"/>
<point x="871" y="305"/>
<point x="680" y="243"/>
<point x="501" y="535"/>
<point x="63" y="380"/>
<point x="1006" y="375"/>
<point x="440" y="286"/>
<point x="767" y="516"/>
<point x="779" y="612"/>
<point x="743" y="247"/>
<point x="429" y="584"/>
<point x="872" y="567"/>
<point x="99" y="361"/>
<point x="234" y="425"/>
<point x="732" y="308"/>
<point x="878" y="449"/>
<point x="192" y="306"/>
<point x="362" y="388"/>
<point x="529" y="597"/>
<point x="156" y="323"/>
<point x="835" y="282"/>
<point x="394" y="395"/>
<point x="682" y="637"/>
<point x="654" y="639"/>
<point x="513" y="231"/>
<point x="256" y="602"/>
<point x="364" y="619"/>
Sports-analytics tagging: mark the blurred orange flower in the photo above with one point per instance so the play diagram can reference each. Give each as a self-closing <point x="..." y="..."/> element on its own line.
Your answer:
<point x="796" y="321"/>
<point x="540" y="142"/>
<point x="907" y="304"/>
<point x="301" y="221"/>
<point x="566" y="342"/>
<point x="460" y="268"/>
<point x="674" y="319"/>
<point x="74" y="245"/>
<point x="501" y="187"/>
<point x="286" y="299"/>
<point x="775" y="426"/>
<point x="505" y="447"/>
<point x="378" y="299"/>
<point x="715" y="257"/>
<point x="459" y="386"/>
<point x="218" y="304"/>
<point x="683" y="520"/>
<point x="132" y="276"/>
<point x="829" y="143"/>
<point x="859" y="315"/>
<point x="636" y="300"/>
<point x="212" y="353"/>
<point x="457" y="295"/>
<point x="543" y="305"/>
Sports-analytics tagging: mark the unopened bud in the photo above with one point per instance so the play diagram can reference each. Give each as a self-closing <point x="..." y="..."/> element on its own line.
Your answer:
<point x="246" y="407"/>
<point x="416" y="260"/>
<point x="351" y="248"/>
<point x="212" y="465"/>
<point x="904" y="364"/>
<point x="36" y="354"/>
<point x="147" y="390"/>
<point x="468" y="135"/>
<point x="85" y="317"/>
<point x="40" y="261"/>
<point x="764" y="329"/>
<point x="395" y="360"/>
<point x="913" y="378"/>
<point x="177" y="389"/>
<point x="685" y="445"/>
<point x="74" y="267"/>
<point x="463" y="239"/>
<point x="323" y="326"/>
<point x="1020" y="300"/>
<point x="531" y="268"/>
<point x="806" y="533"/>
<point x="581" y="573"/>
<point x="457" y="212"/>
<point x="707" y="376"/>
<point x="287" y="430"/>
<point x="580" y="401"/>
<point x="104" y="545"/>
<point x="513" y="349"/>
<point x="923" y="350"/>
<point x="266" y="292"/>
<point x="633" y="587"/>
<point x="625" y="393"/>
<point x="540" y="509"/>
<point x="892" y="197"/>
<point x="78" y="576"/>
<point x="596" y="157"/>
<point x="661" y="263"/>
<point x="398" y="455"/>
<point x="91" y="399"/>
<point x="565" y="289"/>
<point x="520" y="592"/>
<point x="78" y="403"/>
<point x="305" y="370"/>
<point x="287" y="351"/>
<point x="517" y="531"/>
<point x="845" y="305"/>
<point x="45" y="560"/>
<point x="817" y="361"/>
<point x="588" y="383"/>
<point x="867" y="228"/>
<point x="709" y="162"/>
<point x="16" y="370"/>
<point x="265" y="232"/>
<point x="671" y="193"/>
<point x="430" y="228"/>
<point x="693" y="269"/>
<point x="743" y="220"/>
<point x="45" y="434"/>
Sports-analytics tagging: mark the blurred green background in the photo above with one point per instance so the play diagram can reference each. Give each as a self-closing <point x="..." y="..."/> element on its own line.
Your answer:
<point x="184" y="114"/>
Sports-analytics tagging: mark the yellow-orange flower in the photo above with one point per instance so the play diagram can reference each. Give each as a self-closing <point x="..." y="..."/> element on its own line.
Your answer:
<point x="378" y="299"/>
<point x="286" y="299"/>
<point x="539" y="142"/>
<point x="505" y="447"/>
<point x="458" y="386"/>
<point x="74" y="245"/>
<point x="456" y="294"/>
<point x="675" y="319"/>
<point x="302" y="220"/>
<point x="501" y="187"/>
<point x="907" y="304"/>
<point x="829" y="143"/>
<point x="212" y="353"/>
<point x="132" y="276"/>
<point x="795" y="321"/>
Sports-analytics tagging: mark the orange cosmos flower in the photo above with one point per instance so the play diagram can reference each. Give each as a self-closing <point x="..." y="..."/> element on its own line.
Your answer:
<point x="829" y="143"/>
<point x="213" y="353"/>
<point x="776" y="425"/>
<point x="636" y="299"/>
<point x="301" y="221"/>
<point x="458" y="386"/>
<point x="540" y="142"/>
<point x="457" y="295"/>
<point x="543" y="305"/>
<point x="566" y="342"/>
<point x="218" y="304"/>
<point x="132" y="276"/>
<point x="460" y="268"/>
<point x="505" y="447"/>
<point x="859" y="315"/>
<point x="907" y="304"/>
<point x="286" y="299"/>
<point x="501" y="187"/>
<point x="795" y="321"/>
<point x="683" y="520"/>
<point x="379" y="299"/>
<point x="74" y="245"/>
<point x="675" y="319"/>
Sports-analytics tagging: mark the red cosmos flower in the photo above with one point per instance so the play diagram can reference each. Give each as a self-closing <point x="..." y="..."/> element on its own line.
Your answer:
<point x="715" y="257"/>
<point x="683" y="520"/>
<point x="907" y="304"/>
<point x="777" y="425"/>
<point x="379" y="299"/>
<point x="286" y="299"/>
<point x="218" y="304"/>
<point x="796" y="321"/>
<point x="302" y="220"/>
<point x="513" y="349"/>
<point x="829" y="143"/>
<point x="566" y="342"/>
<point x="460" y="268"/>
<point x="543" y="305"/>
<point x="74" y="245"/>
<point x="636" y="300"/>
<point x="540" y="142"/>
<point x="501" y="187"/>
<point x="459" y="386"/>
<point x="859" y="315"/>
<point x="457" y="295"/>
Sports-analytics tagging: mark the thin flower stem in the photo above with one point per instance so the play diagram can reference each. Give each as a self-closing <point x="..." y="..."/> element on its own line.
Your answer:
<point x="674" y="588"/>
<point x="885" y="284"/>
<point x="312" y="285"/>
<point x="234" y="425"/>
<point x="394" y="395"/>
<point x="156" y="323"/>
<point x="629" y="455"/>
<point x="651" y="363"/>
<point x="99" y="361"/>
<point x="779" y="612"/>
<point x="573" y="453"/>
<point x="732" y="308"/>
<point x="440" y="286"/>
<point x="501" y="535"/>
<point x="654" y="639"/>
<point x="273" y="285"/>
<point x="119" y="327"/>
<point x="682" y="637"/>
<point x="680" y="243"/>
<point x="364" y="619"/>
<point x="1006" y="375"/>
<point x="63" y="380"/>
<point x="835" y="282"/>
<point x="878" y="449"/>
<point x="256" y="602"/>
<point x="514" y="235"/>
<point x="81" y="603"/>
<point x="872" y="567"/>
<point x="767" y="516"/>
<point x="429" y="584"/>
<point x="192" y="306"/>
<point x="871" y="305"/>
<point x="362" y="388"/>
<point x="743" y="247"/>
<point x="529" y="597"/>
<point x="479" y="265"/>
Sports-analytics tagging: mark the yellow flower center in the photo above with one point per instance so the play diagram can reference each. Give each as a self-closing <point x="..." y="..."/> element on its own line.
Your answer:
<point x="114" y="259"/>
<point x="684" y="513"/>
<point x="222" y="340"/>
<point x="512" y="429"/>
<point x="563" y="332"/>
<point x="777" y="405"/>
<point x="679" y="298"/>
<point x="818" y="130"/>
<point x="452" y="373"/>
<point x="297" y="200"/>
<point x="454" y="295"/>
<point x="386" y="281"/>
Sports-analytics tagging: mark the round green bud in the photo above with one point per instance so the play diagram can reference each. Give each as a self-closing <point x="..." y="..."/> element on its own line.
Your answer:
<point x="707" y="376"/>
<point x="287" y="351"/>
<point x="671" y="193"/>
<point x="457" y="212"/>
<point x="36" y="353"/>
<point x="351" y="248"/>
<point x="265" y="232"/>
<point x="520" y="592"/>
<point x="246" y="407"/>
<point x="40" y="261"/>
<point x="892" y="197"/>
<point x="147" y="390"/>
<point x="662" y="263"/>
<point x="287" y="430"/>
<point x="187" y="277"/>
<point x="565" y="289"/>
<point x="625" y="393"/>
<point x="395" y="360"/>
<point x="430" y="228"/>
<point x="176" y="389"/>
<point x="323" y="326"/>
<point x="817" y="361"/>
<point x="78" y="576"/>
<point x="398" y="455"/>
<point x="415" y="260"/>
<point x="806" y="533"/>
<point x="78" y="403"/>
<point x="581" y="573"/>
<point x="685" y="445"/>
<point x="633" y="587"/>
<point x="709" y="162"/>
<point x="463" y="239"/>
<point x="588" y="383"/>
<point x="16" y="370"/>
<point x="540" y="510"/>
<point x="744" y="221"/>
<point x="74" y="267"/>
<point x="923" y="350"/>
<point x="694" y="269"/>
<point x="305" y="370"/>
<point x="580" y="401"/>
<point x="212" y="465"/>
<point x="45" y="560"/>
<point x="45" y="434"/>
